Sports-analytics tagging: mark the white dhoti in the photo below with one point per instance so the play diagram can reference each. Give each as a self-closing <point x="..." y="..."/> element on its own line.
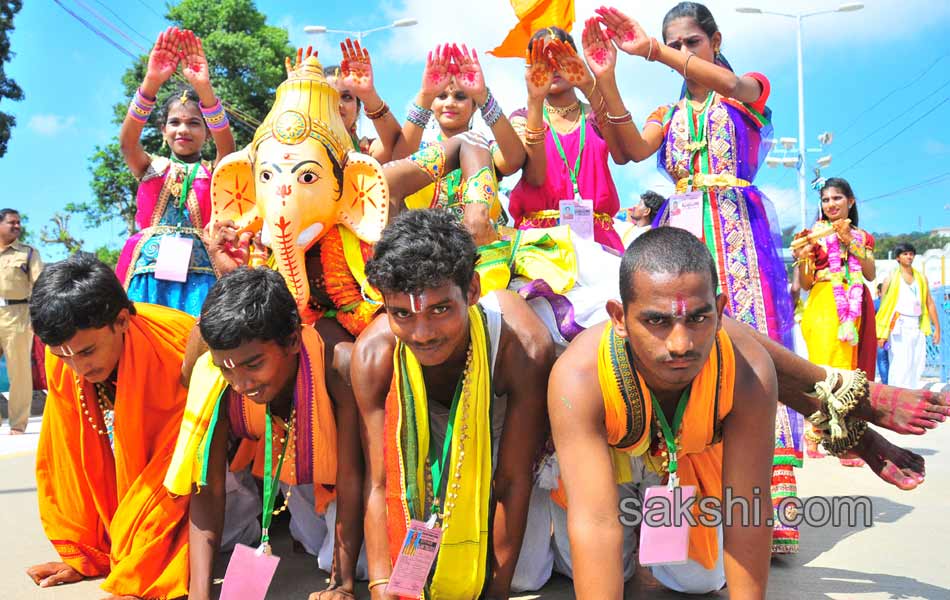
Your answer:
<point x="908" y="353"/>
<point x="325" y="555"/>
<point x="242" y="511"/>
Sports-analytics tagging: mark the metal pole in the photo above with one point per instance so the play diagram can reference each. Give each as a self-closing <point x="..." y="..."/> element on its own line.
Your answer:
<point x="801" y="127"/>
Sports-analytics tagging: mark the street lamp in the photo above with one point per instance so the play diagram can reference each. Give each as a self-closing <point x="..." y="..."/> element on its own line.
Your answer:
<point x="849" y="7"/>
<point x="360" y="34"/>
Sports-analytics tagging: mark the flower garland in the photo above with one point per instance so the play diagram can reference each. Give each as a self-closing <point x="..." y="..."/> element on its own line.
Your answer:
<point x="354" y="312"/>
<point x="847" y="301"/>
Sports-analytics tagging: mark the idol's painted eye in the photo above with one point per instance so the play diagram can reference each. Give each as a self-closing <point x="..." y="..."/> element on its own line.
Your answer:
<point x="308" y="177"/>
<point x="266" y="176"/>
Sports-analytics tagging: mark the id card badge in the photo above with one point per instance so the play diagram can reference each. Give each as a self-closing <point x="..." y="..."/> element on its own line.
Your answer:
<point x="174" y="258"/>
<point x="249" y="574"/>
<point x="662" y="540"/>
<point x="686" y="212"/>
<point x="578" y="214"/>
<point x="419" y="550"/>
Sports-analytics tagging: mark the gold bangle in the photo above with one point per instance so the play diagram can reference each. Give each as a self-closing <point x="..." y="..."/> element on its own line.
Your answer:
<point x="650" y="57"/>
<point x="376" y="583"/>
<point x="380" y="112"/>
<point x="593" y="86"/>
<point x="686" y="65"/>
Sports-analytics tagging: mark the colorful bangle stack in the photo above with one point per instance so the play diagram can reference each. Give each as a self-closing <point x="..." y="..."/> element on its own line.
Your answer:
<point x="379" y="113"/>
<point x="619" y="119"/>
<point x="491" y="110"/>
<point x="215" y="116"/>
<point x="418" y="116"/>
<point x="534" y="136"/>
<point x="141" y="107"/>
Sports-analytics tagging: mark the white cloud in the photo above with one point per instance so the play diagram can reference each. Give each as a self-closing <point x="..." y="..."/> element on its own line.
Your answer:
<point x="936" y="147"/>
<point x="50" y="125"/>
<point x="787" y="204"/>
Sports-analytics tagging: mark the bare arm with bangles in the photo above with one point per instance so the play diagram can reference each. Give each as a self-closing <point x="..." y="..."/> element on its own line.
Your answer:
<point x="602" y="59"/>
<point x="356" y="70"/>
<point x="539" y="75"/>
<point x="435" y="78"/>
<point x="171" y="47"/>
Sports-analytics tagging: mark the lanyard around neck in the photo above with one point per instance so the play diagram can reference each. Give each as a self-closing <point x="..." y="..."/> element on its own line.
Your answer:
<point x="437" y="464"/>
<point x="187" y="183"/>
<point x="670" y="433"/>
<point x="575" y="172"/>
<point x="271" y="477"/>
<point x="697" y="134"/>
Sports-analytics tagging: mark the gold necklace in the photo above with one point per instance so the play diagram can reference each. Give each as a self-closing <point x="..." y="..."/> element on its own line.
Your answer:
<point x="108" y="422"/>
<point x="562" y="110"/>
<point x="290" y="443"/>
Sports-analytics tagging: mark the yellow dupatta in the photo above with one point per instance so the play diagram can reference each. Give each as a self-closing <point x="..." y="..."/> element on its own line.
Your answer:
<point x="463" y="557"/>
<point x="885" y="314"/>
<point x="546" y="254"/>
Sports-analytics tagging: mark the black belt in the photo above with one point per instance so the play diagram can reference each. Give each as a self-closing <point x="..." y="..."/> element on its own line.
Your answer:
<point x="5" y="302"/>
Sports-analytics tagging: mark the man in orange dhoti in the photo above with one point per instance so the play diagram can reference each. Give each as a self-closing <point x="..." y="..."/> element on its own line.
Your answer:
<point x="111" y="420"/>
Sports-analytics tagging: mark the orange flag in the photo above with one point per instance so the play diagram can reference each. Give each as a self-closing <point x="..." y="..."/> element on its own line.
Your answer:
<point x="532" y="16"/>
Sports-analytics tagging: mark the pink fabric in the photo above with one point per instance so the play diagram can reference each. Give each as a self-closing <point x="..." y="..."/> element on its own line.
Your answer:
<point x="594" y="180"/>
<point x="146" y="201"/>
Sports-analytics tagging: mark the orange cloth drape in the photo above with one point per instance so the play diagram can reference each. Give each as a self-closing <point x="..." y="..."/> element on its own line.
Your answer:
<point x="322" y="433"/>
<point x="700" y="450"/>
<point x="532" y="16"/>
<point x="108" y="514"/>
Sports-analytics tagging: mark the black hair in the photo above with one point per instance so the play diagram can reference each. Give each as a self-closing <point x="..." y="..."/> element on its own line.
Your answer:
<point x="704" y="20"/>
<point x="4" y="213"/>
<point x="422" y="249"/>
<point x="844" y="187"/>
<point x="548" y="32"/>
<point x="189" y="94"/>
<point x="904" y="247"/>
<point x="665" y="250"/>
<point x="653" y="201"/>
<point x="249" y="304"/>
<point x="80" y="292"/>
<point x="334" y="71"/>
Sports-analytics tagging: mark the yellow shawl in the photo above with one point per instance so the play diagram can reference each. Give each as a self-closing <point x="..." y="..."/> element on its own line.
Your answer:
<point x="463" y="558"/>
<point x="886" y="313"/>
<point x="546" y="254"/>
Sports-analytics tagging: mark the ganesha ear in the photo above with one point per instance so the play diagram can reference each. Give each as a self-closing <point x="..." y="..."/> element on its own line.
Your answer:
<point x="232" y="192"/>
<point x="364" y="203"/>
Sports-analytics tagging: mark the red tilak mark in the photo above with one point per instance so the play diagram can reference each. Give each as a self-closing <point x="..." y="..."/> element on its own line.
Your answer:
<point x="284" y="190"/>
<point x="679" y="306"/>
<point x="288" y="155"/>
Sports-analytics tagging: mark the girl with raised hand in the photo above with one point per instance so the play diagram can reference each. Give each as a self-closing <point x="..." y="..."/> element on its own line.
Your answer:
<point x="566" y="143"/>
<point x="453" y="87"/>
<point x="167" y="261"/>
<point x="713" y="141"/>
<point x="354" y="79"/>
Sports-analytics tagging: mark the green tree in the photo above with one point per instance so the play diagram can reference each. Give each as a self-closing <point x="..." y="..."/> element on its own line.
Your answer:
<point x="60" y="234"/>
<point x="108" y="255"/>
<point x="246" y="57"/>
<point x="8" y="88"/>
<point x="884" y="243"/>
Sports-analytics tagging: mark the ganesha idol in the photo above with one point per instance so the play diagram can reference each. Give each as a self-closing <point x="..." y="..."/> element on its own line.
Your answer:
<point x="316" y="201"/>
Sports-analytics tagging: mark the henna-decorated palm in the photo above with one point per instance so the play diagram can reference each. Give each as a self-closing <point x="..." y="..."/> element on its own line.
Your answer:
<point x="625" y="32"/>
<point x="163" y="59"/>
<point x="600" y="53"/>
<point x="470" y="77"/>
<point x="437" y="73"/>
<point x="539" y="74"/>
<point x="570" y="66"/>
<point x="194" y="64"/>
<point x="356" y="68"/>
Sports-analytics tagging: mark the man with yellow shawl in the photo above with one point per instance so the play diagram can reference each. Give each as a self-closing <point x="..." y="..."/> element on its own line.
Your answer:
<point x="263" y="380"/>
<point x="112" y="415"/>
<point x="906" y="317"/>
<point x="450" y="391"/>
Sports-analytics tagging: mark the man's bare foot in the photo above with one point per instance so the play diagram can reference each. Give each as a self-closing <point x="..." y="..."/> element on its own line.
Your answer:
<point x="906" y="411"/>
<point x="811" y="449"/>
<point x="17" y="432"/>
<point x="897" y="466"/>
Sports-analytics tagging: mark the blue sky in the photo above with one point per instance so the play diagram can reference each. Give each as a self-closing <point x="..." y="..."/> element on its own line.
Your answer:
<point x="852" y="62"/>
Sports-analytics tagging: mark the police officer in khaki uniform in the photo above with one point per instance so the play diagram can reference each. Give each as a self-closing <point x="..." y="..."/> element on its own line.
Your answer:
<point x="20" y="265"/>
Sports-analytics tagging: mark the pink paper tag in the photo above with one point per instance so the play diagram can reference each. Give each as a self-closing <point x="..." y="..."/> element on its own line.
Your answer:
<point x="415" y="560"/>
<point x="663" y="541"/>
<point x="686" y="212"/>
<point x="249" y="574"/>
<point x="578" y="214"/>
<point x="174" y="258"/>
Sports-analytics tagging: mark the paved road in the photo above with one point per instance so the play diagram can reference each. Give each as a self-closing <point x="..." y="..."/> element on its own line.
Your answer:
<point x="902" y="556"/>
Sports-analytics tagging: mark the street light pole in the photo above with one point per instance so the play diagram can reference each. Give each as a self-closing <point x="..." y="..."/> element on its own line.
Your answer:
<point x="803" y="198"/>
<point x="849" y="7"/>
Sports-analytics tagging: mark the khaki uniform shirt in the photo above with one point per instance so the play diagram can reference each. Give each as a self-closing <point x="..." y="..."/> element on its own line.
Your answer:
<point x="20" y="265"/>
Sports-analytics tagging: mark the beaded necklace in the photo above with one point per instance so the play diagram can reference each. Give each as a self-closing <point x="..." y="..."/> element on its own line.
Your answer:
<point x="105" y="409"/>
